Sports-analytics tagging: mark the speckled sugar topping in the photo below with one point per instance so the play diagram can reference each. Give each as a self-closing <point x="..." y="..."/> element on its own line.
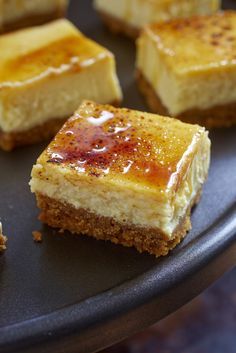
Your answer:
<point x="102" y="141"/>
<point x="198" y="43"/>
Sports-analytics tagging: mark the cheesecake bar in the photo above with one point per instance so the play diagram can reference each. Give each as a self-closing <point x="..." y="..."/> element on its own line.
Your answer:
<point x="187" y="69"/>
<point x="45" y="73"/>
<point x="129" y="16"/>
<point x="15" y="14"/>
<point x="122" y="175"/>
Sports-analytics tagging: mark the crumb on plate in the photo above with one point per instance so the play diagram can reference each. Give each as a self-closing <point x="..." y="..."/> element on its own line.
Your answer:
<point x="3" y="240"/>
<point x="37" y="236"/>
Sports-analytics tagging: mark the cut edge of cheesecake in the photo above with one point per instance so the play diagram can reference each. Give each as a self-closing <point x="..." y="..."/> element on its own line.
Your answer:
<point x="39" y="133"/>
<point x="215" y="117"/>
<point x="11" y="140"/>
<point x="64" y="216"/>
<point x="34" y="19"/>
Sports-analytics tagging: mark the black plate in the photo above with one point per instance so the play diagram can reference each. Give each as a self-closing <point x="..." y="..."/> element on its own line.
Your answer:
<point x="74" y="294"/>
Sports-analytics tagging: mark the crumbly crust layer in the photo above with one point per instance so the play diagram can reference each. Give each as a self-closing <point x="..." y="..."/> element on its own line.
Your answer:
<point x="9" y="141"/>
<point x="33" y="20"/>
<point x="116" y="25"/>
<point x="66" y="217"/>
<point x="215" y="117"/>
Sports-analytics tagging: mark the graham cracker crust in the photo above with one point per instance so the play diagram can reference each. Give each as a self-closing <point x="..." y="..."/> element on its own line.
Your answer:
<point x="9" y="141"/>
<point x="65" y="217"/>
<point x="215" y="117"/>
<point x="117" y="26"/>
<point x="32" y="20"/>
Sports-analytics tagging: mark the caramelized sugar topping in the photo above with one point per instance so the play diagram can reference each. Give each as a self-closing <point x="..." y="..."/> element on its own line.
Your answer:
<point x="198" y="42"/>
<point x="102" y="141"/>
<point x="74" y="50"/>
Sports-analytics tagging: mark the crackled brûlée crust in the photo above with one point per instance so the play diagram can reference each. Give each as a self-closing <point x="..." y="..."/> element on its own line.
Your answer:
<point x="179" y="82"/>
<point x="15" y="14"/>
<point x="129" y="16"/>
<point x="45" y="72"/>
<point x="137" y="172"/>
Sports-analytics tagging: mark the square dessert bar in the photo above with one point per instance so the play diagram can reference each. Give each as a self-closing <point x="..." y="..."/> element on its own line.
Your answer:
<point x="15" y="14"/>
<point x="129" y="16"/>
<point x="45" y="72"/>
<point x="124" y="176"/>
<point x="187" y="68"/>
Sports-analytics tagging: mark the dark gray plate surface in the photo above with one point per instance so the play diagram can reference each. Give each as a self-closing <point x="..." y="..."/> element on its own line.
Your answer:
<point x="74" y="294"/>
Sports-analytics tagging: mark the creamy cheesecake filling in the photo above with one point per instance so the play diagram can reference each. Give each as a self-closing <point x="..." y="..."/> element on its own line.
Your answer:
<point x="126" y="205"/>
<point x="14" y="10"/>
<point x="57" y="94"/>
<point x="140" y="12"/>
<point x="202" y="88"/>
<point x="118" y="9"/>
<point x="193" y="182"/>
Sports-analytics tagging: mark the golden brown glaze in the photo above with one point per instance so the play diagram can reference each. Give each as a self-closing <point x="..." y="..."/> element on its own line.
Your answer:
<point x="201" y="42"/>
<point x="74" y="50"/>
<point x="102" y="141"/>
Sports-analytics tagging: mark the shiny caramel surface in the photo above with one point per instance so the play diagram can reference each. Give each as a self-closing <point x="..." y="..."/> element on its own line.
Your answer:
<point x="101" y="141"/>
<point x="199" y="43"/>
<point x="54" y="48"/>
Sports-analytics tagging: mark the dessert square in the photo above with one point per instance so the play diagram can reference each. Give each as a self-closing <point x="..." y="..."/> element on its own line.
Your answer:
<point x="45" y="72"/>
<point x="15" y="14"/>
<point x="122" y="175"/>
<point x="129" y="16"/>
<point x="187" y="69"/>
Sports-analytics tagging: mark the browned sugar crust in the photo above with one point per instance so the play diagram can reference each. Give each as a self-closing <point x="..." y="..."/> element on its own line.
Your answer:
<point x="116" y="25"/>
<point x="215" y="117"/>
<point x="66" y="217"/>
<point x="32" y="20"/>
<point x="9" y="141"/>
